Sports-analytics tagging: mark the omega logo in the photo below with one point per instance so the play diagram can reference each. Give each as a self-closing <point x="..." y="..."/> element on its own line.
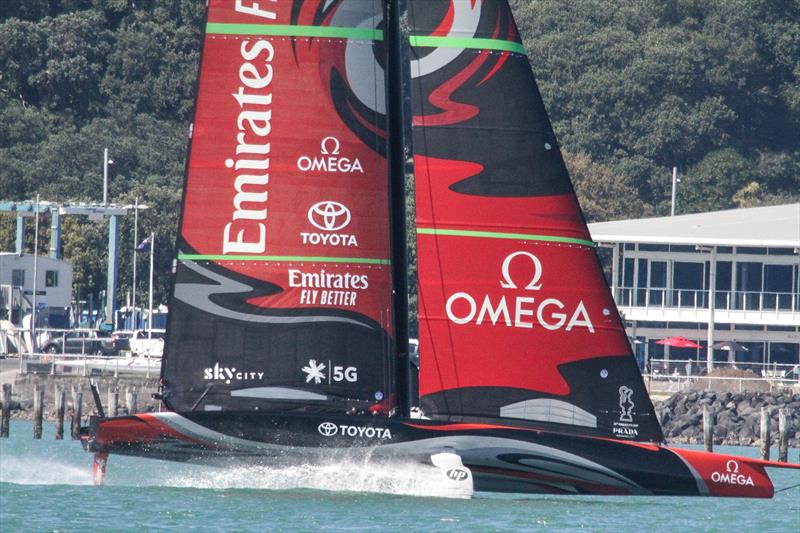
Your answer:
<point x="516" y="309"/>
<point x="534" y="284"/>
<point x="332" y="141"/>
<point x="329" y="159"/>
<point x="732" y="475"/>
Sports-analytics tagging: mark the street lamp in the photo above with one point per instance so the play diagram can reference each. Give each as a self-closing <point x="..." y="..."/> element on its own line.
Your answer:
<point x="675" y="181"/>
<point x="106" y="163"/>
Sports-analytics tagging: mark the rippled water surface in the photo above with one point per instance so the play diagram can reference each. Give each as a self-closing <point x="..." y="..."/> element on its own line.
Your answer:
<point x="46" y="486"/>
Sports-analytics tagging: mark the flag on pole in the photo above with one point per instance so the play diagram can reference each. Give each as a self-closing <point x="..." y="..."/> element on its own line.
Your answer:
<point x="145" y="244"/>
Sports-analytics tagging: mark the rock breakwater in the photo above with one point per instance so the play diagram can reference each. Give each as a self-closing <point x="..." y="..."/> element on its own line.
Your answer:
<point x="738" y="416"/>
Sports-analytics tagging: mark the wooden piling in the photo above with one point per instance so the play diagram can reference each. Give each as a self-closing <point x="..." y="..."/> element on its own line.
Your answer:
<point x="38" y="411"/>
<point x="61" y="405"/>
<point x="783" y="435"/>
<point x="5" y="418"/>
<point x="113" y="401"/>
<point x="765" y="441"/>
<point x="132" y="400"/>
<point x="708" y="427"/>
<point x="77" y="407"/>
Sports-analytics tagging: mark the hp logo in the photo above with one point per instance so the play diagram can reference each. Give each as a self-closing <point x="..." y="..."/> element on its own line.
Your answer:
<point x="457" y="474"/>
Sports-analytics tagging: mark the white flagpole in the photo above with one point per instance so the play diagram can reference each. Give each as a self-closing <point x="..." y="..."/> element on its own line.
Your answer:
<point x="134" y="322"/>
<point x="150" y="306"/>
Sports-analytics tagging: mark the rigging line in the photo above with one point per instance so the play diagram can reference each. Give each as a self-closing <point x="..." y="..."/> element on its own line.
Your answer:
<point x="202" y="396"/>
<point x="787" y="488"/>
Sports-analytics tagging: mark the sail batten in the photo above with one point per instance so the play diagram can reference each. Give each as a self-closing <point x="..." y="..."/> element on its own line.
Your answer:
<point x="282" y="30"/>
<point x="477" y="43"/>
<point x="283" y="258"/>
<point x="502" y="235"/>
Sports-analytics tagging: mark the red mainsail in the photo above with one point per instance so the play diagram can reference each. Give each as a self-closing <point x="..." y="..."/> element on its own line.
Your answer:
<point x="516" y="319"/>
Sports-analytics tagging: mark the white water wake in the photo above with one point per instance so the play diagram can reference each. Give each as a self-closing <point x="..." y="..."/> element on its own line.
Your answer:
<point x="400" y="478"/>
<point x="340" y="474"/>
<point x="39" y="471"/>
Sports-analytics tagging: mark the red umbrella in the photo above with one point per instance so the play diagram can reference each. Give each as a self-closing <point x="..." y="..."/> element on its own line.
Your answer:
<point x="679" y="342"/>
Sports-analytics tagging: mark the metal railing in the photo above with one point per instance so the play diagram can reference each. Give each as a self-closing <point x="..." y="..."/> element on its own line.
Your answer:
<point x="695" y="367"/>
<point x="88" y="365"/>
<point x="746" y="301"/>
<point x="673" y="375"/>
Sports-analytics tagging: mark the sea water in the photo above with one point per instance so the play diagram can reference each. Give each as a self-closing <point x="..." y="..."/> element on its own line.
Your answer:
<point x="46" y="485"/>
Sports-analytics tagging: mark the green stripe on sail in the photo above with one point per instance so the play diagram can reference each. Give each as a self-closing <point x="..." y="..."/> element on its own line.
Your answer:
<point x="499" y="235"/>
<point x="466" y="42"/>
<point x="285" y="30"/>
<point x="284" y="258"/>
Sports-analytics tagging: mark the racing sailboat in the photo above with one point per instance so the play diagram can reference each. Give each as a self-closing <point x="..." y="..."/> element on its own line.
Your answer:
<point x="288" y="326"/>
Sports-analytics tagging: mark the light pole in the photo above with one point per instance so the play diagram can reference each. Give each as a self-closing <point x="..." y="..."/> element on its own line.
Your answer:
<point x="150" y="304"/>
<point x="136" y="207"/>
<point x="106" y="162"/>
<point x="675" y="181"/>
<point x="34" y="344"/>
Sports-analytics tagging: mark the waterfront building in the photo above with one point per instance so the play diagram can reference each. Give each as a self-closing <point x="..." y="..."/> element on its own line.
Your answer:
<point x="52" y="283"/>
<point x="715" y="278"/>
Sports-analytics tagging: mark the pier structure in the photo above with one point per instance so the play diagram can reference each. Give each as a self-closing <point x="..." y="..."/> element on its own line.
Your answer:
<point x="56" y="210"/>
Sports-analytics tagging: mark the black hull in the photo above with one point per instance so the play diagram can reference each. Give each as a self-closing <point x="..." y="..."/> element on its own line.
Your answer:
<point x="502" y="458"/>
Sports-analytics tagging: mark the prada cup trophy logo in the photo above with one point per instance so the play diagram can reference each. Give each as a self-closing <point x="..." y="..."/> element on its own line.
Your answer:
<point x="625" y="404"/>
<point x="327" y="429"/>
<point x="329" y="216"/>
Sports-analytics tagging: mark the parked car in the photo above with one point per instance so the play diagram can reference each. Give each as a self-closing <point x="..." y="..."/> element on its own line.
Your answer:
<point x="147" y="342"/>
<point x="82" y="341"/>
<point x="120" y="340"/>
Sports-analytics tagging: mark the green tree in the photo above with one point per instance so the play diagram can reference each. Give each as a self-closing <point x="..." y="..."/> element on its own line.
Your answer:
<point x="712" y="183"/>
<point x="603" y="193"/>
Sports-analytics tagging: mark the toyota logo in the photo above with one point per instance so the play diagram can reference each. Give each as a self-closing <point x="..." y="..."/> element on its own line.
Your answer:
<point x="327" y="429"/>
<point x="329" y="216"/>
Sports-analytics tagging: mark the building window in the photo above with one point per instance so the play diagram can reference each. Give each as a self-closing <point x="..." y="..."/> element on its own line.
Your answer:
<point x="749" y="285"/>
<point x="18" y="277"/>
<point x="784" y="353"/>
<point x="778" y="287"/>
<point x="51" y="278"/>
<point x="688" y="279"/>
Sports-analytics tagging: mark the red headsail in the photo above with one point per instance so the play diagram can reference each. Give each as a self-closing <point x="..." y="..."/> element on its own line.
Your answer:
<point x="283" y="288"/>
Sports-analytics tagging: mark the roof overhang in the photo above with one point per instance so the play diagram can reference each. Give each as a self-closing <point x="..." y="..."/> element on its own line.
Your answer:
<point x="773" y="226"/>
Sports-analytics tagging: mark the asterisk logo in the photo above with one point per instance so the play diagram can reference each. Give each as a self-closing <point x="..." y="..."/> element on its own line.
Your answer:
<point x="314" y="371"/>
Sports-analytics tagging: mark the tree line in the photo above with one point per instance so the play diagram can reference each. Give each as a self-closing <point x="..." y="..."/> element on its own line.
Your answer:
<point x="633" y="88"/>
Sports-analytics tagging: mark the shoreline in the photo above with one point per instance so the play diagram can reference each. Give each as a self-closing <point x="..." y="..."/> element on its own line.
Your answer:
<point x="737" y="414"/>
